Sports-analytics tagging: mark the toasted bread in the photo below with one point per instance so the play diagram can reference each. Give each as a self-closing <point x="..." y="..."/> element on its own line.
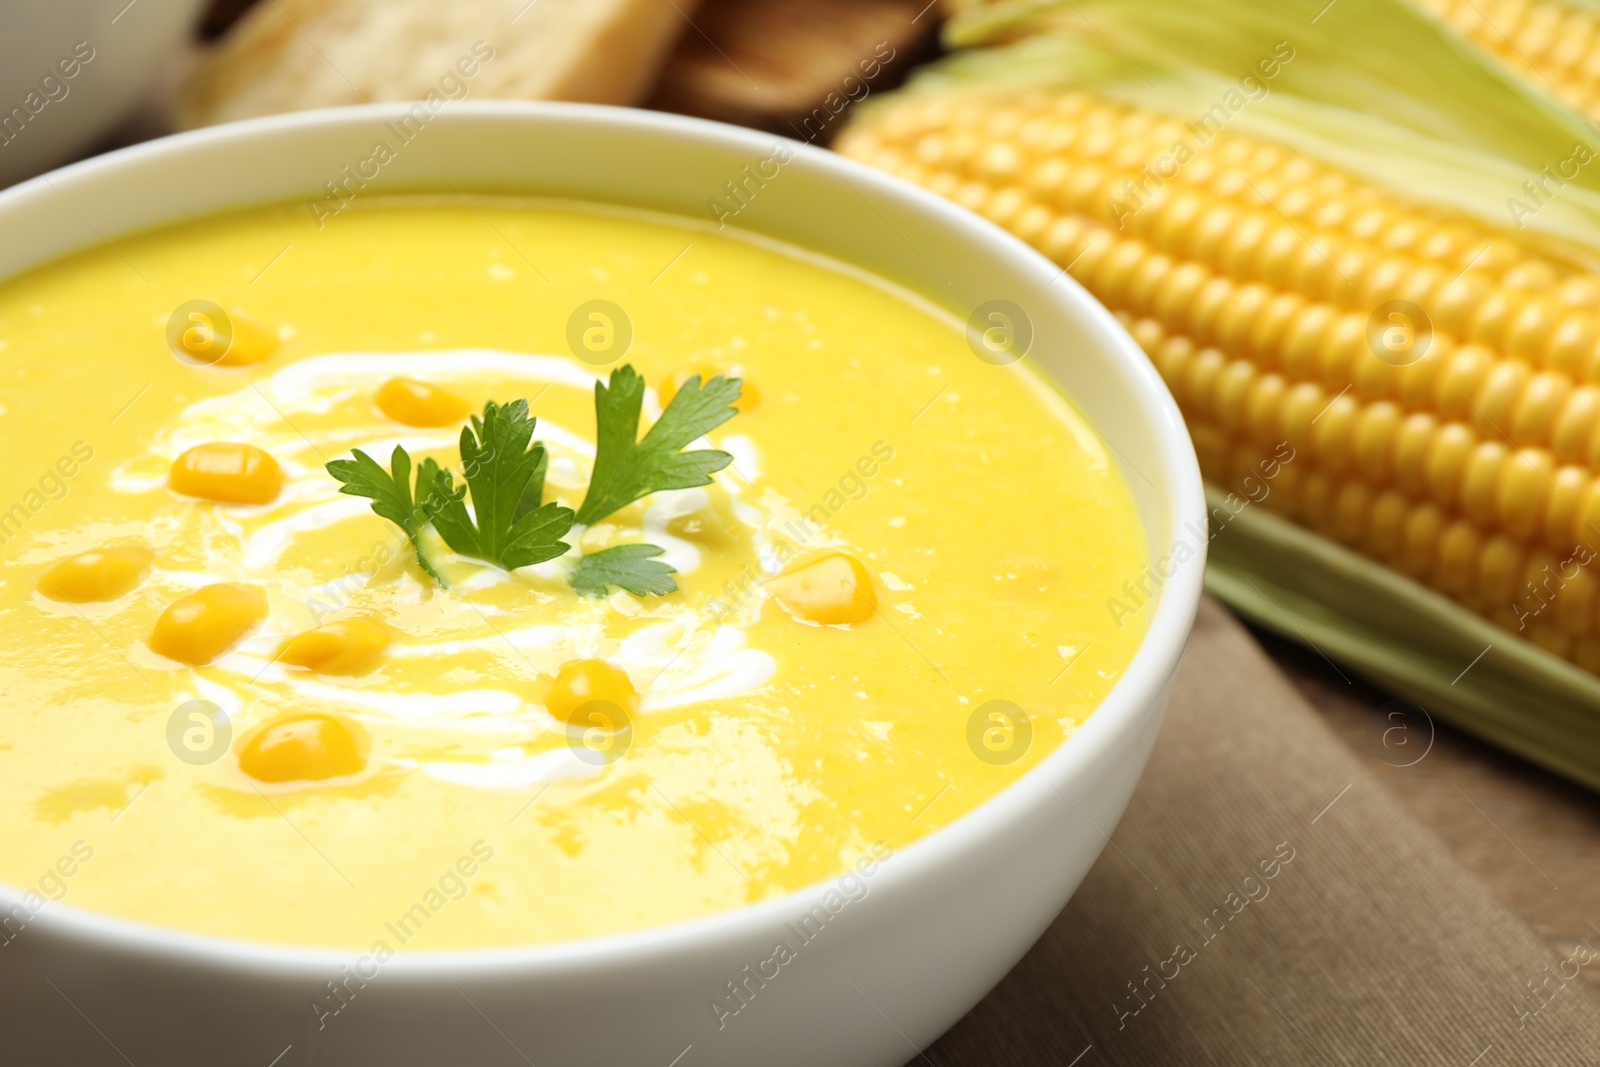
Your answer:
<point x="290" y="55"/>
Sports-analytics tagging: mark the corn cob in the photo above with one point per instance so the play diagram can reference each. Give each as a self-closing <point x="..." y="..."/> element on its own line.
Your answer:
<point x="1250" y="276"/>
<point x="1556" y="45"/>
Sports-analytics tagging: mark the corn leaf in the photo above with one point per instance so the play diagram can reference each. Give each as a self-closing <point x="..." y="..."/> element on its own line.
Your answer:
<point x="1454" y="664"/>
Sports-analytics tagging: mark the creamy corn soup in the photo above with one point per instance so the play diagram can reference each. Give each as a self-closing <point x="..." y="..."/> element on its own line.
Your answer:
<point x="238" y="703"/>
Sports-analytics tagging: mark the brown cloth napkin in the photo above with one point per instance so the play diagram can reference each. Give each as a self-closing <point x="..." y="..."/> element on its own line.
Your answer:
<point x="1368" y="944"/>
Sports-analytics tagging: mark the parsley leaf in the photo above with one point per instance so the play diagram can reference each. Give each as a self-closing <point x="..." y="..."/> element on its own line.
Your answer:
<point x="628" y="566"/>
<point x="390" y="493"/>
<point x="626" y="468"/>
<point x="509" y="525"/>
<point x="505" y="472"/>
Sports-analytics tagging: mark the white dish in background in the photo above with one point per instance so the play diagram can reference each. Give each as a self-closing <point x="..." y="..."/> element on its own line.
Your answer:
<point x="69" y="69"/>
<point x="943" y="920"/>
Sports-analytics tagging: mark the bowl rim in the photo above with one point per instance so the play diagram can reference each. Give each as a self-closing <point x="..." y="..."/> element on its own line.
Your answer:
<point x="1142" y="684"/>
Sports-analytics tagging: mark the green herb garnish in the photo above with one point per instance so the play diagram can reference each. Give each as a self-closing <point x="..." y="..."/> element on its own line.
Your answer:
<point x="391" y="494"/>
<point x="505" y="471"/>
<point x="509" y="525"/>
<point x="626" y="468"/>
<point x="505" y="474"/>
<point x="630" y="567"/>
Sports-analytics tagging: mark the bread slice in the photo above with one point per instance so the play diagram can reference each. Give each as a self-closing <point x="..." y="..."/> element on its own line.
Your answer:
<point x="289" y="55"/>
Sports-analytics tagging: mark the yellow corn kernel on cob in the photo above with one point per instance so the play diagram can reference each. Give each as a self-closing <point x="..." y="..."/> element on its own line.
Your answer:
<point x="1465" y="453"/>
<point x="1555" y="45"/>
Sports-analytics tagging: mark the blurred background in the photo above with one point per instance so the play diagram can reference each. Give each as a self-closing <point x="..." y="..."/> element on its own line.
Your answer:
<point x="164" y="65"/>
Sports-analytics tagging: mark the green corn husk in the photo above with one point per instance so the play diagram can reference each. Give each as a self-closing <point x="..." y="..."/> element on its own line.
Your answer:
<point x="1379" y="89"/>
<point x="1423" y="646"/>
<point x="1376" y="87"/>
<point x="1571" y="78"/>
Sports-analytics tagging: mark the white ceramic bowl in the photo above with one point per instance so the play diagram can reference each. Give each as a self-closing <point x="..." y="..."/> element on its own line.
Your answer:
<point x="69" y="69"/>
<point x="941" y="921"/>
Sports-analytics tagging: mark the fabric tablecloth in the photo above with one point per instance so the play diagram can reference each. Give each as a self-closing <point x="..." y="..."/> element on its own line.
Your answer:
<point x="1265" y="901"/>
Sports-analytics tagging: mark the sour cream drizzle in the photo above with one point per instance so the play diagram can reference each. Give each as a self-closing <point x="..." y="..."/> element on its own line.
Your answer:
<point x="675" y="659"/>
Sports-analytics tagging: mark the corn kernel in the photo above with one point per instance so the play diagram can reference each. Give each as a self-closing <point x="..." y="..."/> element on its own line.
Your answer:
<point x="1207" y="306"/>
<point x="1267" y="332"/>
<point x="1317" y="499"/>
<point x="1274" y="256"/>
<point x="1529" y="331"/>
<point x="580" y="682"/>
<point x="1458" y="380"/>
<point x="1569" y="343"/>
<point x="830" y="590"/>
<point x="1266" y="401"/>
<point x="1498" y="394"/>
<point x="414" y="403"/>
<point x="749" y="396"/>
<point x="1172" y="360"/>
<point x="1204" y="370"/>
<point x="252" y="342"/>
<point x="1385" y="524"/>
<point x="1118" y="268"/>
<point x="1480" y="478"/>
<point x="1232" y="392"/>
<point x="1146" y="281"/>
<point x="1457" y="563"/>
<point x="347" y="647"/>
<point x="1351" y="508"/>
<point x="1177" y="291"/>
<point x="227" y="472"/>
<point x="1304" y="402"/>
<point x="198" y="628"/>
<point x="1567" y="490"/>
<point x="1412" y="445"/>
<point x="1448" y="455"/>
<point x="1575" y="606"/>
<point x="1333" y="434"/>
<point x="304" y="748"/>
<point x="1522" y="492"/>
<point x="1500" y="570"/>
<point x="1423" y="529"/>
<point x="237" y="341"/>
<point x="97" y="576"/>
<point x="1303" y="340"/>
<point x="1343" y="349"/>
<point x="1579" y="415"/>
<point x="1541" y="401"/>
<point x="1373" y="441"/>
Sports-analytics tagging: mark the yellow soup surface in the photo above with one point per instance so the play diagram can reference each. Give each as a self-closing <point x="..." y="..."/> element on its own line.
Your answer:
<point x="236" y="705"/>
